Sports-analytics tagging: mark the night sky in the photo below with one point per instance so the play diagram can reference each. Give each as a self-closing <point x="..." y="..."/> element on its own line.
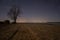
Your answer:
<point x="32" y="10"/>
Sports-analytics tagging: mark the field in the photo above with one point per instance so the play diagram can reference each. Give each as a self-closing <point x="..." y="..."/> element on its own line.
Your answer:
<point x="30" y="31"/>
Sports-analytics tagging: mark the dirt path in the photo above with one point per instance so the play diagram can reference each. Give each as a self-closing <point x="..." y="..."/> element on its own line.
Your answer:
<point x="7" y="32"/>
<point x="25" y="33"/>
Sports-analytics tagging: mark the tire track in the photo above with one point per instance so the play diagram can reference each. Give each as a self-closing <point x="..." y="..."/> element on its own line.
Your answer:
<point x="13" y="34"/>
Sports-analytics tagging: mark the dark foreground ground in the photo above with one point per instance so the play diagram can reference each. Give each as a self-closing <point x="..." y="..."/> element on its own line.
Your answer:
<point x="30" y="31"/>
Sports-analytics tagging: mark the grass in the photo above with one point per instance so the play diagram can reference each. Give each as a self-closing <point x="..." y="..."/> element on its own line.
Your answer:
<point x="30" y="31"/>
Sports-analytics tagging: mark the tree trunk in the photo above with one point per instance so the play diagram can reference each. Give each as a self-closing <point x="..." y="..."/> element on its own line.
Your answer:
<point x="14" y="20"/>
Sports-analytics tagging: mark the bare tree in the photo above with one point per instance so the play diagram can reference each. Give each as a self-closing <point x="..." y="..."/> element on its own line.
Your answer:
<point x="13" y="13"/>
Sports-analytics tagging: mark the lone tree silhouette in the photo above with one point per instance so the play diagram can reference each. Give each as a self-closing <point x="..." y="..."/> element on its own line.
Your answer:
<point x="13" y="13"/>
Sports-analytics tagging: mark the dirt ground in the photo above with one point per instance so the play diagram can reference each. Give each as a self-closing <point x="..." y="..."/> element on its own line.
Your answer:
<point x="30" y="31"/>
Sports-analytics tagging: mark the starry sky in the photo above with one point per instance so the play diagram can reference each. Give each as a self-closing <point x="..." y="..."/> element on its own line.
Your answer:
<point x="32" y="10"/>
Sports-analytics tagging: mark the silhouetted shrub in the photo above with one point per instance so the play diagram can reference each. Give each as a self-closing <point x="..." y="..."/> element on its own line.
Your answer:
<point x="7" y="22"/>
<point x="1" y="22"/>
